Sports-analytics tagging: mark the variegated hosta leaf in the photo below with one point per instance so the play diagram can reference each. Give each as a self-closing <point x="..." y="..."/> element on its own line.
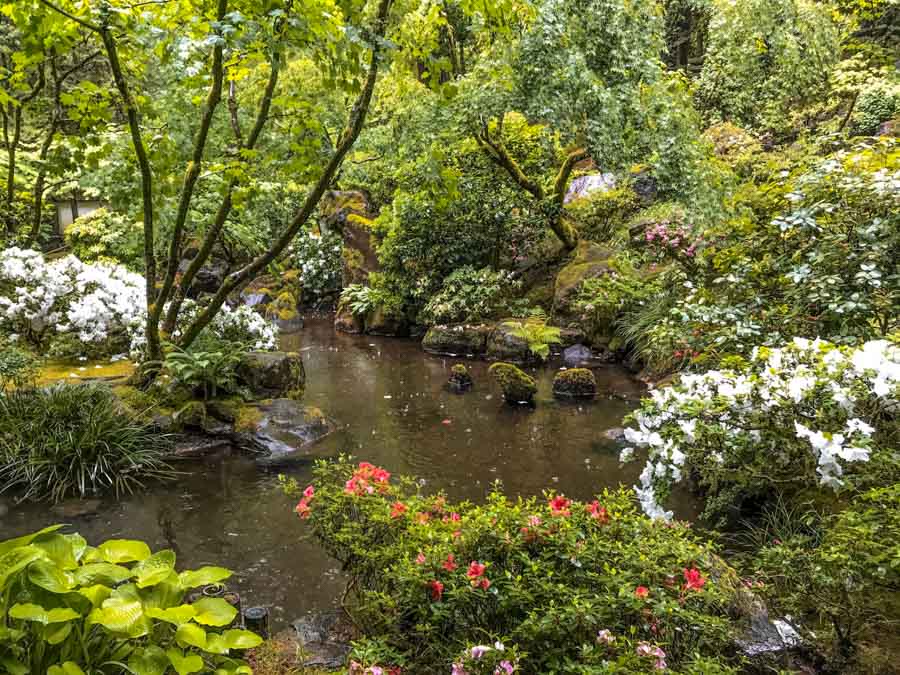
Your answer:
<point x="203" y="576"/>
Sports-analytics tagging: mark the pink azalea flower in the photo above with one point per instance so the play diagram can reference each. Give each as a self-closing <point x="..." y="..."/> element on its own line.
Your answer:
<point x="641" y="592"/>
<point x="505" y="667"/>
<point x="309" y="491"/>
<point x="693" y="580"/>
<point x="420" y="559"/>
<point x="605" y="637"/>
<point x="457" y="669"/>
<point x="397" y="509"/>
<point x="559" y="506"/>
<point x="479" y="650"/>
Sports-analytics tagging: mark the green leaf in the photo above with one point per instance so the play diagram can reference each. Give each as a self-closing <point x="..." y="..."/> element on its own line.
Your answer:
<point x="56" y="633"/>
<point x="203" y="576"/>
<point x="241" y="639"/>
<point x="214" y="612"/>
<point x="32" y="612"/>
<point x="123" y="550"/>
<point x="191" y="634"/>
<point x="101" y="573"/>
<point x="13" y="667"/>
<point x="184" y="665"/>
<point x="176" y="615"/>
<point x="67" y="668"/>
<point x="16" y="560"/>
<point x="96" y="594"/>
<point x="158" y="567"/>
<point x="48" y="576"/>
<point x="11" y="544"/>
<point x="119" y="615"/>
<point x="148" y="661"/>
<point x="64" y="550"/>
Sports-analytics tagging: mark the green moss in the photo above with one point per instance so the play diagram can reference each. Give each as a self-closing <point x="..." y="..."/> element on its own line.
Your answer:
<point x="191" y="414"/>
<point x="247" y="418"/>
<point x="517" y="386"/>
<point x="575" y="383"/>
<point x="459" y="370"/>
<point x="360" y="220"/>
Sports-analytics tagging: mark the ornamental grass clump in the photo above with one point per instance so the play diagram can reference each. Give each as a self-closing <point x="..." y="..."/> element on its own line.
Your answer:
<point x="532" y="585"/>
<point x="75" y="440"/>
<point x="807" y="419"/>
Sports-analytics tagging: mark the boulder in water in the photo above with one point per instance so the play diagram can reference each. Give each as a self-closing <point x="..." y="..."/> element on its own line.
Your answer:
<point x="517" y="385"/>
<point x="281" y="431"/>
<point x="575" y="383"/>
<point x="457" y="339"/>
<point x="504" y="344"/>
<point x="577" y="355"/>
<point x="272" y="374"/>
<point x="460" y="380"/>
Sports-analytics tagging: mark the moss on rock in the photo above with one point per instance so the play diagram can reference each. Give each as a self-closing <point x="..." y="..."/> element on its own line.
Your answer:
<point x="575" y="383"/>
<point x="460" y="379"/>
<point x="517" y="385"/>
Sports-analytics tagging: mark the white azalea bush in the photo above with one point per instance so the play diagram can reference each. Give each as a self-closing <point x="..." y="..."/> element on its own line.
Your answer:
<point x="96" y="304"/>
<point x="71" y="307"/>
<point x="794" y="420"/>
<point x="318" y="258"/>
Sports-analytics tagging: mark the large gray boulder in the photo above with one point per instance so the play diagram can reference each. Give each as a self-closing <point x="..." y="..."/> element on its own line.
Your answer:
<point x="272" y="374"/>
<point x="281" y="431"/>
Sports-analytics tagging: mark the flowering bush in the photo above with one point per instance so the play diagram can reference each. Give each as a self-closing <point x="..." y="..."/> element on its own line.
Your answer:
<point x="527" y="585"/>
<point x="470" y="294"/>
<point x="807" y="415"/>
<point x="98" y="303"/>
<point x="105" y="236"/>
<point x="100" y="306"/>
<point x="318" y="257"/>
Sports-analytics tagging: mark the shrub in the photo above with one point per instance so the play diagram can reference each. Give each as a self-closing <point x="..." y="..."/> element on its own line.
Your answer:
<point x="76" y="440"/>
<point x="876" y="104"/>
<point x="600" y="214"/>
<point x="548" y="585"/>
<point x="39" y="299"/>
<point x="208" y="367"/>
<point x="517" y="386"/>
<point x="106" y="237"/>
<point x="18" y="368"/>
<point x="318" y="258"/>
<point x="791" y="421"/>
<point x="839" y="574"/>
<point x="469" y="295"/>
<point x="71" y="609"/>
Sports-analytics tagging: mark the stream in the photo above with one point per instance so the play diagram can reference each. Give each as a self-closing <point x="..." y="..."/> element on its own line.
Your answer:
<point x="388" y="400"/>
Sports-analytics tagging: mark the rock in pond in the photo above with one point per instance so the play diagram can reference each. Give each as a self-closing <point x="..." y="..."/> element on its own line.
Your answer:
<point x="577" y="355"/>
<point x="272" y="374"/>
<point x="324" y="639"/>
<point x="457" y="339"/>
<point x="460" y="380"/>
<point x="505" y="345"/>
<point x="575" y="383"/>
<point x="518" y="387"/>
<point x="281" y="431"/>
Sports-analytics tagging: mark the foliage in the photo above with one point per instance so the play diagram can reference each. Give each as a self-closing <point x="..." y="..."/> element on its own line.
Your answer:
<point x="550" y="585"/>
<point x="794" y="421"/>
<point x="877" y="103"/>
<point x="18" y="368"/>
<point x="208" y="366"/>
<point x="318" y="258"/>
<point x="360" y="299"/>
<point x="69" y="609"/>
<point x="39" y="299"/>
<point x="106" y="237"/>
<point x="764" y="59"/>
<point x="75" y="440"/>
<point x="601" y="214"/>
<point x="840" y="574"/>
<point x="537" y="334"/>
<point x="470" y="295"/>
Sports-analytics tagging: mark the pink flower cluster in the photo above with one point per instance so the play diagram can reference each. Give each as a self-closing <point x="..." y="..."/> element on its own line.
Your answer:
<point x="668" y="236"/>
<point x="356" y="668"/>
<point x="367" y="479"/>
<point x="303" y="508"/>
<point x="646" y="649"/>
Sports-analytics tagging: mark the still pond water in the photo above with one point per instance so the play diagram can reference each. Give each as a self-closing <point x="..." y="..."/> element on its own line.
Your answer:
<point x="388" y="400"/>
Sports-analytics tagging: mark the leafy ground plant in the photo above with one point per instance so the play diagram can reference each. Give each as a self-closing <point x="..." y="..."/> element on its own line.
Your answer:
<point x="67" y="608"/>
<point x="527" y="585"/>
<point x="75" y="440"/>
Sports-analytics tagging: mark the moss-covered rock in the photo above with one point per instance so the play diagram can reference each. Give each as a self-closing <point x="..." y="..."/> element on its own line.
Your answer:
<point x="575" y="383"/>
<point x="381" y="322"/>
<point x="192" y="415"/>
<point x="517" y="385"/>
<point x="272" y="374"/>
<point x="457" y="339"/>
<point x="504" y="344"/>
<point x="281" y="431"/>
<point x="590" y="261"/>
<point x="460" y="379"/>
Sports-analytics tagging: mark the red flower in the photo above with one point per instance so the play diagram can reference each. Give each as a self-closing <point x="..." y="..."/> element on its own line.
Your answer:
<point x="641" y="592"/>
<point x="420" y="559"/>
<point x="454" y="517"/>
<point x="397" y="509"/>
<point x="437" y="590"/>
<point x="476" y="575"/>
<point x="366" y="479"/>
<point x="303" y="509"/>
<point x="559" y="506"/>
<point x="693" y="580"/>
<point x="309" y="492"/>
<point x="450" y="563"/>
<point x="597" y="512"/>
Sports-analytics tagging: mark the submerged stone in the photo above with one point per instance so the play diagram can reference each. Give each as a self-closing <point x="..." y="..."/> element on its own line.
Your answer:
<point x="460" y="380"/>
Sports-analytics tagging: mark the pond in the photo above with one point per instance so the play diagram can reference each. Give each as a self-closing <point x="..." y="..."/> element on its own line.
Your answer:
<point x="388" y="399"/>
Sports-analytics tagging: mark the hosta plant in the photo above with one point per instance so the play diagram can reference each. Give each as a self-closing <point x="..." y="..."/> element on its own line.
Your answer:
<point x="67" y="608"/>
<point x="536" y="585"/>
